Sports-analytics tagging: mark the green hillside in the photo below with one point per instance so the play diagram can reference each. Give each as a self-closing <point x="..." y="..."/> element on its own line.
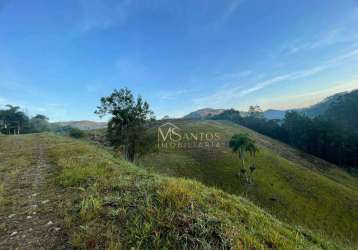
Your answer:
<point x="297" y="188"/>
<point x="107" y="203"/>
<point x="83" y="125"/>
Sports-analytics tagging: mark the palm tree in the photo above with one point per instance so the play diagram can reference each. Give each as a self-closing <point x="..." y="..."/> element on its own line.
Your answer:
<point x="13" y="120"/>
<point x="242" y="144"/>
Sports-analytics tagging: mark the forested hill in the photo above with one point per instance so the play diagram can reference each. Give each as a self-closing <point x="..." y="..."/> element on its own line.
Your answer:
<point x="203" y="113"/>
<point x="332" y="136"/>
<point x="270" y="114"/>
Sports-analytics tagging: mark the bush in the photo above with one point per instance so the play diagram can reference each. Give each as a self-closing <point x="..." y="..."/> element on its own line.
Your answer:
<point x="76" y="133"/>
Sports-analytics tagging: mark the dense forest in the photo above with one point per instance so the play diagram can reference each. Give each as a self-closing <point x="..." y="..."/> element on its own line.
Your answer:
<point x="332" y="136"/>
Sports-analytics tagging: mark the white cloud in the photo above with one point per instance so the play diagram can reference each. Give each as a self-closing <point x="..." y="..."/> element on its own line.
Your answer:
<point x="170" y="95"/>
<point x="280" y="78"/>
<point x="94" y="87"/>
<point x="125" y="65"/>
<point x="307" y="72"/>
<point x="2" y="101"/>
<point x="55" y="111"/>
<point x="326" y="39"/>
<point x="331" y="37"/>
<point x="235" y="75"/>
<point x="353" y="54"/>
<point x="226" y="95"/>
<point x="309" y="98"/>
<point x="97" y="14"/>
<point x="264" y="84"/>
<point x="228" y="12"/>
<point x="16" y="86"/>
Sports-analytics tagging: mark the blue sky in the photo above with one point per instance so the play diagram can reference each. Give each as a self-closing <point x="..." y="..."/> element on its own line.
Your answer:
<point x="59" y="57"/>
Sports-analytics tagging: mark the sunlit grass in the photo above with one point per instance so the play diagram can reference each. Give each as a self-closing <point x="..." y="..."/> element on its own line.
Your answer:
<point x="115" y="205"/>
<point x="324" y="200"/>
<point x="15" y="156"/>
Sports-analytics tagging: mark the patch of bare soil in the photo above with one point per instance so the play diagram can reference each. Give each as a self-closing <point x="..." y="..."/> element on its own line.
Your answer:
<point x="30" y="220"/>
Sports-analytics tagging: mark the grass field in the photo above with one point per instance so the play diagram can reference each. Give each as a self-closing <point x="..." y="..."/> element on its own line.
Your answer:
<point x="108" y="203"/>
<point x="297" y="188"/>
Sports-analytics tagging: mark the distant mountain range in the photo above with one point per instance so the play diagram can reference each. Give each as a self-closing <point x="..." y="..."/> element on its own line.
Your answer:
<point x="203" y="113"/>
<point x="312" y="111"/>
<point x="274" y="114"/>
<point x="83" y="125"/>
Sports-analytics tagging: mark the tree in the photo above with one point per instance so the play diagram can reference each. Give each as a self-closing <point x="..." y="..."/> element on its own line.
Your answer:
<point x="299" y="128"/>
<point x="230" y="114"/>
<point x="76" y="133"/>
<point x="39" y="123"/>
<point x="126" y="128"/>
<point x="13" y="120"/>
<point x="344" y="111"/>
<point x="255" y="112"/>
<point x="242" y="144"/>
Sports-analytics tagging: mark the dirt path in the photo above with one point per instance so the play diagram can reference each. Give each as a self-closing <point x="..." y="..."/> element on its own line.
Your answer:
<point x="30" y="220"/>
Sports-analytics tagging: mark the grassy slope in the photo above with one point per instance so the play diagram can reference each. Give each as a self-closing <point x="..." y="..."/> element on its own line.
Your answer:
<point x="296" y="187"/>
<point x="111" y="204"/>
<point x="14" y="157"/>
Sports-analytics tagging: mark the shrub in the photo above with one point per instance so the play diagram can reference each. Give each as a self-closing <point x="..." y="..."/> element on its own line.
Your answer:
<point x="76" y="133"/>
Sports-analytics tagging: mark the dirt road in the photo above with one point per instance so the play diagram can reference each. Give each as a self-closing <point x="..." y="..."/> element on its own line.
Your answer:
<point x="28" y="218"/>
